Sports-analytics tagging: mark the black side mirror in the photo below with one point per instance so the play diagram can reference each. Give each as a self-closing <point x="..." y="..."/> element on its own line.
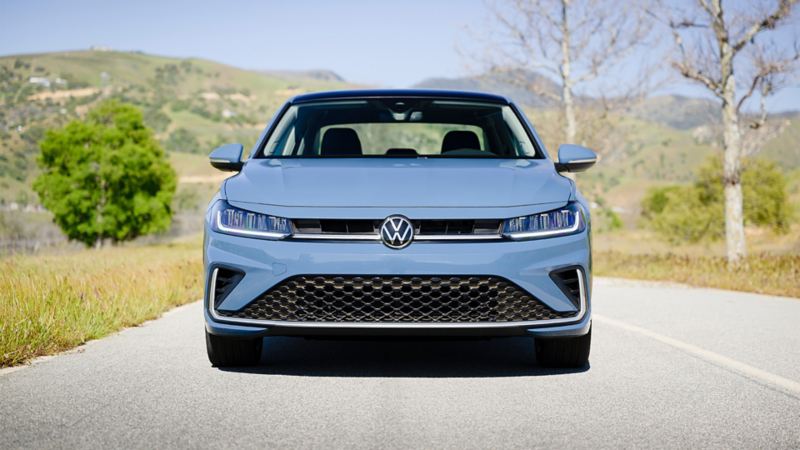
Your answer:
<point x="227" y="158"/>
<point x="574" y="158"/>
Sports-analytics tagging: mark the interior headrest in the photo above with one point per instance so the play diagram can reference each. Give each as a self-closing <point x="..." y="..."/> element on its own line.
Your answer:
<point x="340" y="142"/>
<point x="460" y="140"/>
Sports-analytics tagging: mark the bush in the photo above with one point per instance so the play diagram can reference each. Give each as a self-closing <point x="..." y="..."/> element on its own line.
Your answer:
<point x="611" y="219"/>
<point x="156" y="119"/>
<point x="183" y="140"/>
<point x="686" y="218"/>
<point x="696" y="212"/>
<point x="604" y="218"/>
<point x="766" y="202"/>
<point x="655" y="200"/>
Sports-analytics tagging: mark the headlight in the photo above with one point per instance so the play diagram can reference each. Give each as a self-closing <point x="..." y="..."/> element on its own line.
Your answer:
<point x="559" y="222"/>
<point x="231" y="220"/>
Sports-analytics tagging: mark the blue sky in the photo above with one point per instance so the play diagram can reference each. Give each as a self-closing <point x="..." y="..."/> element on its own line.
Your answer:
<point x="372" y="42"/>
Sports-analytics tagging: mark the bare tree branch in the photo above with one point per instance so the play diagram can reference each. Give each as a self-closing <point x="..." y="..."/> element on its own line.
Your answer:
<point x="768" y="68"/>
<point x="769" y="22"/>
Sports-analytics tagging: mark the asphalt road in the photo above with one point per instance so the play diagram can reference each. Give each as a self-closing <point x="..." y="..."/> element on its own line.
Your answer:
<point x="670" y="367"/>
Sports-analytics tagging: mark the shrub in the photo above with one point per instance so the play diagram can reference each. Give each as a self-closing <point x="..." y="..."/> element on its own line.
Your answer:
<point x="695" y="212"/>
<point x="612" y="220"/>
<point x="183" y="140"/>
<point x="686" y="218"/>
<point x="764" y="189"/>
<point x="655" y="200"/>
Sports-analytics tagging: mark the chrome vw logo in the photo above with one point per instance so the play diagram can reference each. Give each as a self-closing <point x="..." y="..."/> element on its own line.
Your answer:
<point x="397" y="232"/>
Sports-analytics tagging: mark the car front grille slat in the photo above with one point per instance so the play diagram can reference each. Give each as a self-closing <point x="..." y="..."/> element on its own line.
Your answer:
<point x="344" y="227"/>
<point x="397" y="299"/>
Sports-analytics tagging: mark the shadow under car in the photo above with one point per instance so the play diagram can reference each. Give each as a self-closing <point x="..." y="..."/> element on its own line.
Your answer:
<point x="400" y="357"/>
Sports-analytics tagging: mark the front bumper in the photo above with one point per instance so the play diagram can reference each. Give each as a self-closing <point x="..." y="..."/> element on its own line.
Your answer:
<point x="528" y="264"/>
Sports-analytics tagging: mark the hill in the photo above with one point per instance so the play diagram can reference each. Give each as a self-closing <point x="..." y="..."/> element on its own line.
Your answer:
<point x="516" y="84"/>
<point x="192" y="104"/>
<point x="677" y="111"/>
<point x="674" y="111"/>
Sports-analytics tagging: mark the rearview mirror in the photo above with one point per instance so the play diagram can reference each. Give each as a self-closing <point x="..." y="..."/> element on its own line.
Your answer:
<point x="227" y="157"/>
<point x="574" y="158"/>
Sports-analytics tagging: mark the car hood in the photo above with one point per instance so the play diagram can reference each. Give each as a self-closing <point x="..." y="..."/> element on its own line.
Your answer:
<point x="398" y="182"/>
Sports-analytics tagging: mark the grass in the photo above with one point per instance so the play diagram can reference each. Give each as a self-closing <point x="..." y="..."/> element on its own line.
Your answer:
<point x="55" y="302"/>
<point x="763" y="273"/>
<point x="773" y="266"/>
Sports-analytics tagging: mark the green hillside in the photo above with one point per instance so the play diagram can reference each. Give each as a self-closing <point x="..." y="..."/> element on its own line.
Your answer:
<point x="786" y="146"/>
<point x="192" y="104"/>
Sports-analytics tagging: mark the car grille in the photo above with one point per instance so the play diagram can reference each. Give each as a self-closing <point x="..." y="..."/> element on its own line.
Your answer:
<point x="478" y="227"/>
<point x="422" y="299"/>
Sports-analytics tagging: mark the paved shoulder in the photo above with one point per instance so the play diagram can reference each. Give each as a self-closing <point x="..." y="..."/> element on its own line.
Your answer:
<point x="759" y="330"/>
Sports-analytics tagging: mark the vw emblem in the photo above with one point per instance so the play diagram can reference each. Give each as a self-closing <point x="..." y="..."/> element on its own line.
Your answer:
<point x="397" y="232"/>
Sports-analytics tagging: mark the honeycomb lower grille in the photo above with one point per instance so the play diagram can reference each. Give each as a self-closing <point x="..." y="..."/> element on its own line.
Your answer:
<point x="423" y="299"/>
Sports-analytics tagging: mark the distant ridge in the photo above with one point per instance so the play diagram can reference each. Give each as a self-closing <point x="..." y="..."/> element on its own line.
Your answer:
<point x="512" y="84"/>
<point x="675" y="111"/>
<point x="315" y="74"/>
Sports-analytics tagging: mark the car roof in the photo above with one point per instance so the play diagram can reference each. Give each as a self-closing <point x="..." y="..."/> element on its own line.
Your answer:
<point x="434" y="93"/>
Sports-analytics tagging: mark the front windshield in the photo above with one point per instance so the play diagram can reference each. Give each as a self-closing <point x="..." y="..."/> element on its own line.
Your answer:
<point x="399" y="127"/>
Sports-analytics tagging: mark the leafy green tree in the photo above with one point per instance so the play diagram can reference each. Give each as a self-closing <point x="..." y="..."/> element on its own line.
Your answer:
<point x="106" y="178"/>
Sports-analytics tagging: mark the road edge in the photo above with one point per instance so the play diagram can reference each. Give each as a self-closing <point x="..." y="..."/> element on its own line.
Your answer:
<point x="81" y="348"/>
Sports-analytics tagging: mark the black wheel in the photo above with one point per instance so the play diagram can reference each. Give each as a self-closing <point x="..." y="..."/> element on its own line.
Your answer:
<point x="565" y="351"/>
<point x="226" y="351"/>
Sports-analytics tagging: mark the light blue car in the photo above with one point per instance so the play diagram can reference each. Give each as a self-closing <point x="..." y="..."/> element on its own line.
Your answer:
<point x="398" y="212"/>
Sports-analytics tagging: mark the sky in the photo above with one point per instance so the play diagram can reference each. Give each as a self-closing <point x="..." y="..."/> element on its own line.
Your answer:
<point x="382" y="43"/>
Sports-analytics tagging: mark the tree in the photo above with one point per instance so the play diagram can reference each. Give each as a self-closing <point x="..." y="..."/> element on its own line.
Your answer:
<point x="106" y="178"/>
<point x="710" y="40"/>
<point x="571" y="41"/>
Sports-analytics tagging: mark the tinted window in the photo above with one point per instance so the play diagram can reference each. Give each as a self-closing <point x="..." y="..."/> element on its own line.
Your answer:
<point x="399" y="127"/>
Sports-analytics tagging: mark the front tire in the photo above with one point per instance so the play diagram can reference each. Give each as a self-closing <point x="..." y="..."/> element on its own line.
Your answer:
<point x="230" y="352"/>
<point x="564" y="351"/>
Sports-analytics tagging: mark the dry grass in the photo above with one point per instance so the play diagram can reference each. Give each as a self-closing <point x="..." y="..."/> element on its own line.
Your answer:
<point x="759" y="241"/>
<point x="773" y="267"/>
<point x="763" y="273"/>
<point x="56" y="302"/>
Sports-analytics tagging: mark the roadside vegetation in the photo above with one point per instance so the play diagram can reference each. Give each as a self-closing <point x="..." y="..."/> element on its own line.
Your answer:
<point x="695" y="212"/>
<point x="52" y="303"/>
<point x="762" y="273"/>
<point x="106" y="178"/>
<point x="679" y="235"/>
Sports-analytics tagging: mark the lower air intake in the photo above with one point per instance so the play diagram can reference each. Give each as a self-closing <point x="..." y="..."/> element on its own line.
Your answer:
<point x="568" y="280"/>
<point x="226" y="280"/>
<point x="422" y="299"/>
